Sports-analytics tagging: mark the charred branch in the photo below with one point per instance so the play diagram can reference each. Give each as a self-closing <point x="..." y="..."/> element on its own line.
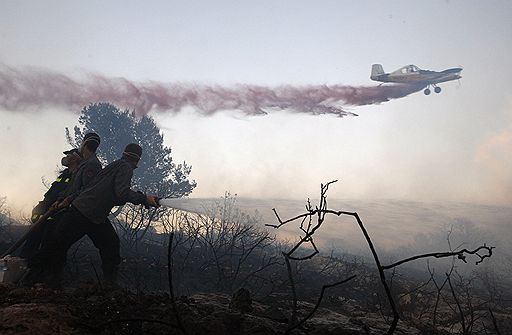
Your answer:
<point x="171" y="286"/>
<point x="319" y="301"/>
<point x="461" y="254"/>
<point x="309" y="227"/>
<point x="494" y="322"/>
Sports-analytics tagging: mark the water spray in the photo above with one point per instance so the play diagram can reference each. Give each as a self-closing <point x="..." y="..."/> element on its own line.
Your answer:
<point x="174" y="203"/>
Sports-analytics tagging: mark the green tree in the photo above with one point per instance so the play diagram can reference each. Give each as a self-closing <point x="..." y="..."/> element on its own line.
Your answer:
<point x="156" y="172"/>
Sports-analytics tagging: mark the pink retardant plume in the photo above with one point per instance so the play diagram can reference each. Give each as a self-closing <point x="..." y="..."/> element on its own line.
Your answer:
<point x="29" y="88"/>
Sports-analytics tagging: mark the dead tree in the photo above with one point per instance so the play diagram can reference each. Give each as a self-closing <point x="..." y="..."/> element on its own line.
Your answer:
<point x="133" y="222"/>
<point x="221" y="249"/>
<point x="308" y="227"/>
<point x="170" y="261"/>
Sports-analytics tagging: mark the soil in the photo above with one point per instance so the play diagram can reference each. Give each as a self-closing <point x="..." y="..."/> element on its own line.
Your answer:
<point x="93" y="309"/>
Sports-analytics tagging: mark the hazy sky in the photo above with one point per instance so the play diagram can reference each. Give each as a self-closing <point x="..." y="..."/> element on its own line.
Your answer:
<point x="453" y="146"/>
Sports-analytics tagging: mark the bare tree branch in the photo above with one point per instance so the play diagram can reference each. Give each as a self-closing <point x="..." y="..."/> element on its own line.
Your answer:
<point x="171" y="288"/>
<point x="494" y="322"/>
<point x="461" y="313"/>
<point x="308" y="228"/>
<point x="460" y="255"/>
<point x="319" y="301"/>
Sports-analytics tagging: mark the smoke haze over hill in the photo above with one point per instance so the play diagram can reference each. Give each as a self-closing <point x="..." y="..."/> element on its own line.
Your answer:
<point x="397" y="228"/>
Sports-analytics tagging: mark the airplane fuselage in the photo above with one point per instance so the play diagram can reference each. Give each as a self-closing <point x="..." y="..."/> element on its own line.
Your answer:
<point x="411" y="74"/>
<point x="432" y="77"/>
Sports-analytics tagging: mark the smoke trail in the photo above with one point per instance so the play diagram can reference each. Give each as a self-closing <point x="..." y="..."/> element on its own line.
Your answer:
<point x="22" y="89"/>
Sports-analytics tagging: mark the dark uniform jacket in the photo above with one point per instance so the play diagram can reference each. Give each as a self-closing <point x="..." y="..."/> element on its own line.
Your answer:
<point x="54" y="193"/>
<point x="110" y="188"/>
<point x="83" y="176"/>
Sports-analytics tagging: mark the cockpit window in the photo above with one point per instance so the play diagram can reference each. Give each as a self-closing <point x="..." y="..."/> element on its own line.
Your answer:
<point x="409" y="69"/>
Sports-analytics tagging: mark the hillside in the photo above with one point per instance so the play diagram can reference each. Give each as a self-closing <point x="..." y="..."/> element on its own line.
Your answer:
<point x="90" y="309"/>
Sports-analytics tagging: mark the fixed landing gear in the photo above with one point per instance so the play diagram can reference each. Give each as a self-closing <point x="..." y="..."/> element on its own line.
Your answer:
<point x="437" y="89"/>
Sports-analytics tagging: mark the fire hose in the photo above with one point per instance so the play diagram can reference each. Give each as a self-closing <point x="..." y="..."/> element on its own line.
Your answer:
<point x="32" y="228"/>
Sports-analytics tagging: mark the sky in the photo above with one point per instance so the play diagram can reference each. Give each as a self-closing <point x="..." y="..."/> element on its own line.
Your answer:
<point x="452" y="146"/>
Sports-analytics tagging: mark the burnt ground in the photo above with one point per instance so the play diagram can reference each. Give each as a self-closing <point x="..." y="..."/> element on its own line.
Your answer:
<point x="91" y="309"/>
<point x="206" y="306"/>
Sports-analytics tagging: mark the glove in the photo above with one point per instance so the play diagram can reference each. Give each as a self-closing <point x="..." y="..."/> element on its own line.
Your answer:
<point x="64" y="203"/>
<point x="37" y="212"/>
<point x="151" y="200"/>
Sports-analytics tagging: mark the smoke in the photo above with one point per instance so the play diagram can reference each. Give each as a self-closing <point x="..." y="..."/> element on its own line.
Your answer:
<point x="28" y="88"/>
<point x="493" y="156"/>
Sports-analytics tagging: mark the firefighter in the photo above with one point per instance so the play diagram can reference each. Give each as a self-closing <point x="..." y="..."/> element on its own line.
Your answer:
<point x="54" y="193"/>
<point x="89" y="167"/>
<point x="87" y="216"/>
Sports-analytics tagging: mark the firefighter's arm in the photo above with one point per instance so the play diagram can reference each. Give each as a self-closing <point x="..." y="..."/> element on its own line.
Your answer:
<point x="63" y="203"/>
<point x="39" y="210"/>
<point x="86" y="177"/>
<point x="122" y="190"/>
<point x="51" y="197"/>
<point x="90" y="171"/>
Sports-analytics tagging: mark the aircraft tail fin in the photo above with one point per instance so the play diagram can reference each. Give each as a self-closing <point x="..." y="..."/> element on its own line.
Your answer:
<point x="377" y="70"/>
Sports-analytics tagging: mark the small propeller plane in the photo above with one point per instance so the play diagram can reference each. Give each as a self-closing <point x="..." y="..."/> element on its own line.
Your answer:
<point x="411" y="74"/>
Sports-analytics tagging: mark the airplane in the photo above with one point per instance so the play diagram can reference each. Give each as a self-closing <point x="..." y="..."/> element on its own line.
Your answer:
<point x="411" y="74"/>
